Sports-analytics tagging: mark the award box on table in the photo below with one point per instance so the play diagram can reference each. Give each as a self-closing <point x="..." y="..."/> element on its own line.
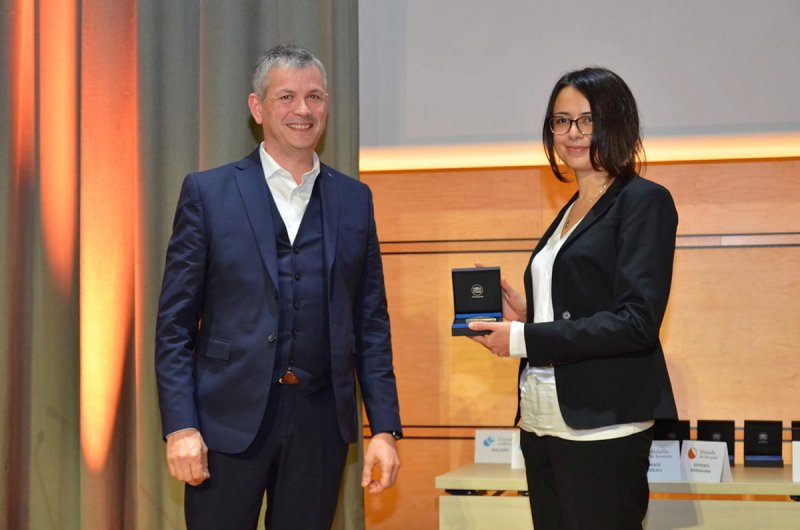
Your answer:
<point x="671" y="430"/>
<point x="718" y="431"/>
<point x="763" y="443"/>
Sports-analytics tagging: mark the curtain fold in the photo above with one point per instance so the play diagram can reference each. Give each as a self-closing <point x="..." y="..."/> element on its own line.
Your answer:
<point x="104" y="108"/>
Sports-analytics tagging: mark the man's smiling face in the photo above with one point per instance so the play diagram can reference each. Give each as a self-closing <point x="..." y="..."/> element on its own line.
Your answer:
<point x="293" y="112"/>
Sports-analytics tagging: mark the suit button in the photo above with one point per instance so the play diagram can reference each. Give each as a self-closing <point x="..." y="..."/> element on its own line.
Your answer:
<point x="565" y="315"/>
<point x="296" y="250"/>
<point x="297" y="276"/>
<point x="271" y="338"/>
<point x="275" y="294"/>
<point x="297" y="305"/>
<point x="294" y="333"/>
<point x="291" y="361"/>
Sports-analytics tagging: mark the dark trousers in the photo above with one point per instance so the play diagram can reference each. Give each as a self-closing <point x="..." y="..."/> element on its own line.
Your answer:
<point x="581" y="485"/>
<point x="297" y="457"/>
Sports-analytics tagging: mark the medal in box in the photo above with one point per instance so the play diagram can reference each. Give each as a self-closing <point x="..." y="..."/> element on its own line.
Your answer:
<point x="477" y="297"/>
<point x="763" y="443"/>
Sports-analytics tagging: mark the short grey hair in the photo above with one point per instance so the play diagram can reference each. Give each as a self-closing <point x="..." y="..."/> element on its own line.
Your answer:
<point x="286" y="56"/>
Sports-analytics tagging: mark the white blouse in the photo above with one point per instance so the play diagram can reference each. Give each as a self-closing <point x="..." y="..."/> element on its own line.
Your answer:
<point x="539" y="408"/>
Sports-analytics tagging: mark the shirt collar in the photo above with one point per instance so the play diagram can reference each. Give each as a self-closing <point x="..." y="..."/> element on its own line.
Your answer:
<point x="272" y="169"/>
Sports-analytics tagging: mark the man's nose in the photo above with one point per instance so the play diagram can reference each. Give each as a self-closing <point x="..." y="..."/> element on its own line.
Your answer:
<point x="301" y="109"/>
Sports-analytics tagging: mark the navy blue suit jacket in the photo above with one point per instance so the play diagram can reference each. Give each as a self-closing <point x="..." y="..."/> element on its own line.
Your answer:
<point x="218" y="310"/>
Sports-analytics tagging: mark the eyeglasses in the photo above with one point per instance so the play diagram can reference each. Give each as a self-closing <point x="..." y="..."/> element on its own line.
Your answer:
<point x="562" y="124"/>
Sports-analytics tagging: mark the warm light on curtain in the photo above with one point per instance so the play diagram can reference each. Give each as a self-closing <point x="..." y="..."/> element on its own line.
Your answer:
<point x="21" y="180"/>
<point x="58" y="128"/>
<point x="100" y="119"/>
<point x="108" y="159"/>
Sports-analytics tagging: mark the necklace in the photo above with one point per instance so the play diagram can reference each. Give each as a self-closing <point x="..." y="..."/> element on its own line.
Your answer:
<point x="569" y="217"/>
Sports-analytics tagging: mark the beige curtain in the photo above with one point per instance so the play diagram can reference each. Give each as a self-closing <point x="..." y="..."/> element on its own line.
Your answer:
<point x="104" y="107"/>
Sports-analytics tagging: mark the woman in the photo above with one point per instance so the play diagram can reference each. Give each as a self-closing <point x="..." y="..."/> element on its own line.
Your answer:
<point x="592" y="375"/>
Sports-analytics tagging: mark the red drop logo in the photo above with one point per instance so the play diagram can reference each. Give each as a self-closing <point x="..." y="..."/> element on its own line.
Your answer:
<point x="692" y="453"/>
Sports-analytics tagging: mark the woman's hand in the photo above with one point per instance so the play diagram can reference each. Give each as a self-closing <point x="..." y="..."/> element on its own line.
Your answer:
<point x="514" y="307"/>
<point x="497" y="341"/>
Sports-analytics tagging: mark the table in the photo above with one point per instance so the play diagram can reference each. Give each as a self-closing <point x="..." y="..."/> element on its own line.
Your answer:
<point x="491" y="509"/>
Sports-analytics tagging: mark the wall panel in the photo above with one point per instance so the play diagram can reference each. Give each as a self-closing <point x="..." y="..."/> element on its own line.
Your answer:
<point x="413" y="504"/>
<point x="730" y="333"/>
<point x="467" y="204"/>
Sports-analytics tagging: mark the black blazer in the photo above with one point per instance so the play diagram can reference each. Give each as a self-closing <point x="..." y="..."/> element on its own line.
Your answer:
<point x="611" y="283"/>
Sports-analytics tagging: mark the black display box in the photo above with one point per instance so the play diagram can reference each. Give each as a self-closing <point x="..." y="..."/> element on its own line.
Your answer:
<point x="796" y="435"/>
<point x="672" y="430"/>
<point x="476" y="294"/>
<point x="718" y="431"/>
<point x="763" y="443"/>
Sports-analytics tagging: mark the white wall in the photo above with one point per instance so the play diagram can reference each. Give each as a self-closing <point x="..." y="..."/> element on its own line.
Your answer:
<point x="480" y="71"/>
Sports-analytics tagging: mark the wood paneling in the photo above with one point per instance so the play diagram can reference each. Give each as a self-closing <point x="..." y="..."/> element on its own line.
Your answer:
<point x="733" y="197"/>
<point x="414" y="501"/>
<point x="456" y="205"/>
<point x="444" y="380"/>
<point x="730" y="334"/>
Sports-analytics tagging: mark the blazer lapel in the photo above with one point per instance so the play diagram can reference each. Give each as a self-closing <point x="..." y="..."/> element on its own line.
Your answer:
<point x="253" y="189"/>
<point x="542" y="242"/>
<point x="330" y="204"/>
<point x="602" y="204"/>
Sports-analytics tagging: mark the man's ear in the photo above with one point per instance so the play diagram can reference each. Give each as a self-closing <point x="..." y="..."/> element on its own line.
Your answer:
<point x="255" y="104"/>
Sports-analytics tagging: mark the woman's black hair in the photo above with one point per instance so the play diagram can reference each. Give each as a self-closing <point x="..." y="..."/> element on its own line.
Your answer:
<point x="616" y="141"/>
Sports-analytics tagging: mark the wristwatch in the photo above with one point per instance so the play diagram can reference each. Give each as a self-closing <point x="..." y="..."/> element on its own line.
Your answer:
<point x="396" y="435"/>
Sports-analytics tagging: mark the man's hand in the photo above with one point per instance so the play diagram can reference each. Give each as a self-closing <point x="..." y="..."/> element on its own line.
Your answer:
<point x="381" y="451"/>
<point x="187" y="457"/>
<point x="498" y="340"/>
<point x="514" y="307"/>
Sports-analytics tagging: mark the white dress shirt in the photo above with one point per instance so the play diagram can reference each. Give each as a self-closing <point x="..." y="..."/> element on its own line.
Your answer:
<point x="290" y="198"/>
<point x="539" y="408"/>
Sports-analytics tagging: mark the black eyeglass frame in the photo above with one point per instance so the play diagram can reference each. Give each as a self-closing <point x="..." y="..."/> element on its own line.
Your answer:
<point x="577" y="125"/>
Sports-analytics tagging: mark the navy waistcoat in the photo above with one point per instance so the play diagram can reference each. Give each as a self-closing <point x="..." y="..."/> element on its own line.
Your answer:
<point x="303" y="339"/>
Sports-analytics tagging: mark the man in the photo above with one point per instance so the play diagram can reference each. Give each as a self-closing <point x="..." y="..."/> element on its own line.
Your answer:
<point x="273" y="296"/>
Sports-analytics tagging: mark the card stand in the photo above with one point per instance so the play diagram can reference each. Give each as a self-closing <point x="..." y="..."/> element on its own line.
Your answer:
<point x="796" y="453"/>
<point x="461" y="326"/>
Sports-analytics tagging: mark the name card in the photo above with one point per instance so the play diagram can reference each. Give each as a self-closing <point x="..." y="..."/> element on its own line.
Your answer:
<point x="665" y="461"/>
<point x="517" y="460"/>
<point x="705" y="462"/>
<point x="795" y="461"/>
<point x="493" y="447"/>
<point x="796" y="451"/>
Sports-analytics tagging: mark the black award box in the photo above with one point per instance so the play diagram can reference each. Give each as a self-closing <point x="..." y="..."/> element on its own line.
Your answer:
<point x="672" y="430"/>
<point x="718" y="431"/>
<point x="763" y="443"/>
<point x="477" y="296"/>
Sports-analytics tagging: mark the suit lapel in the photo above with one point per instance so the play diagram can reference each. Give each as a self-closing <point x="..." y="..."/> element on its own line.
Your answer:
<point x="542" y="242"/>
<point x="602" y="204"/>
<point x="253" y="189"/>
<point x="330" y="204"/>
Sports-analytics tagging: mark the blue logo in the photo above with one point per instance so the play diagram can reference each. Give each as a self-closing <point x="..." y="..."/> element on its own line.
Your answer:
<point x="488" y="441"/>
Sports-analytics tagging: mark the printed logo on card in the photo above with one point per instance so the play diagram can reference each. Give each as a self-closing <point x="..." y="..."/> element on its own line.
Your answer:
<point x="692" y="453"/>
<point x="488" y="441"/>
